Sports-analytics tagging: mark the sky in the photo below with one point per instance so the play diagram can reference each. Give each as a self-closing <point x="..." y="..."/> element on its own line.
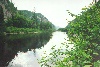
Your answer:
<point x="53" y="10"/>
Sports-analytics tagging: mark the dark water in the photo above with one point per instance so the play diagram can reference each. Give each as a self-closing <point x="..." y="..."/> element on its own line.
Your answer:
<point x="23" y="50"/>
<point x="10" y="45"/>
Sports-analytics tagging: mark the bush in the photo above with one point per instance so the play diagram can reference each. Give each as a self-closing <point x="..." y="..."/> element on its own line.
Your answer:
<point x="84" y="32"/>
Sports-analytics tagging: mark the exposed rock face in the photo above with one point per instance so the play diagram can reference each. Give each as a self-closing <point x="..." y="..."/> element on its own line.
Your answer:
<point x="7" y="14"/>
<point x="41" y="17"/>
<point x="29" y="14"/>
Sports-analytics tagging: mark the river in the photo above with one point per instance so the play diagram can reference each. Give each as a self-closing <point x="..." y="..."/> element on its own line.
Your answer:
<point x="24" y="50"/>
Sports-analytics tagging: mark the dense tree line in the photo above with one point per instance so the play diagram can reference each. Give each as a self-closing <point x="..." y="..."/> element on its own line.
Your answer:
<point x="23" y="19"/>
<point x="62" y="29"/>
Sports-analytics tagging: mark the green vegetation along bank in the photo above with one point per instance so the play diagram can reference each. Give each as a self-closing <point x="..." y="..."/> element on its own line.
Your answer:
<point x="22" y="21"/>
<point x="84" y="33"/>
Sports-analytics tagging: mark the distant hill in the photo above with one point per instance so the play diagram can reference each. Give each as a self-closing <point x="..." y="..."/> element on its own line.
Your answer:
<point x="10" y="17"/>
<point x="9" y="10"/>
<point x="29" y="14"/>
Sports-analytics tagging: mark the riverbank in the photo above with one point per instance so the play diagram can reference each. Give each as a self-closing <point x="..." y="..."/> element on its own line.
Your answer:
<point x="14" y="30"/>
<point x="27" y="32"/>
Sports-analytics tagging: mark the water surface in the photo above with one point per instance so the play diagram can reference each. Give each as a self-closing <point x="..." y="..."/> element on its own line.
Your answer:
<point x="24" y="50"/>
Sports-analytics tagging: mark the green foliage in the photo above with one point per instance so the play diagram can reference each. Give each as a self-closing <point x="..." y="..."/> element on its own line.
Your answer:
<point x="21" y="20"/>
<point x="26" y="13"/>
<point x="2" y="23"/>
<point x="1" y="15"/>
<point x="10" y="7"/>
<point x="62" y="29"/>
<point x="84" y="32"/>
<point x="16" y="30"/>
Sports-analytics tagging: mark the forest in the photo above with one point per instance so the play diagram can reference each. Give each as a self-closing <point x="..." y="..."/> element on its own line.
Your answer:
<point x="13" y="21"/>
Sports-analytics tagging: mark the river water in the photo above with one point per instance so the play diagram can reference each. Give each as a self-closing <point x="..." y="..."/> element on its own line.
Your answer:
<point x="24" y="50"/>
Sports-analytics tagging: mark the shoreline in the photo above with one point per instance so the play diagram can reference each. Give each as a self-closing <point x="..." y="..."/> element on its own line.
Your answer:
<point x="5" y="33"/>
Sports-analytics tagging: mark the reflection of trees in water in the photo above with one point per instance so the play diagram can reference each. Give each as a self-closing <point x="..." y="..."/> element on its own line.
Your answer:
<point x="5" y="54"/>
<point x="1" y="49"/>
<point x="11" y="44"/>
<point x="34" y="52"/>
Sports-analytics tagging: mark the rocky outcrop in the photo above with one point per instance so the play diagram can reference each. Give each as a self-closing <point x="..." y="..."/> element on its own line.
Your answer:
<point x="39" y="16"/>
<point x="7" y="14"/>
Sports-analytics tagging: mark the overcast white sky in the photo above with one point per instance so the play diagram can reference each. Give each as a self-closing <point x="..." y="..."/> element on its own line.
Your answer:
<point x="54" y="10"/>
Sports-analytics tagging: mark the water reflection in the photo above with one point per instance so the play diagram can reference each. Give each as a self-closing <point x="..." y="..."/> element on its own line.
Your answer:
<point x="2" y="51"/>
<point x="24" y="50"/>
<point x="12" y="45"/>
<point x="29" y="58"/>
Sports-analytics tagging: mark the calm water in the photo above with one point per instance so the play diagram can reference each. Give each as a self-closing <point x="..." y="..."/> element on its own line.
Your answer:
<point x="24" y="50"/>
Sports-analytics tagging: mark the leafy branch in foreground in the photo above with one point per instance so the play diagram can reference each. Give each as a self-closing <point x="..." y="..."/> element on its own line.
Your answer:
<point x="84" y="32"/>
